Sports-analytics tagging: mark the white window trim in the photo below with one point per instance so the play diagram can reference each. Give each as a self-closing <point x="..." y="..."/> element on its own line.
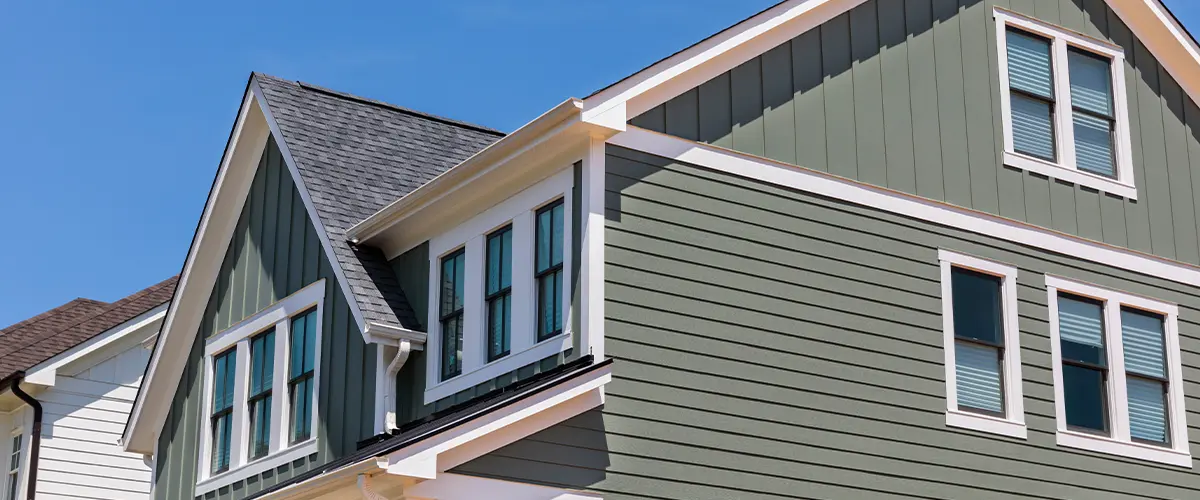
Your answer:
<point x="1065" y="169"/>
<point x="18" y="429"/>
<point x="1013" y="424"/>
<point x="1120" y="442"/>
<point x="519" y="210"/>
<point x="238" y="337"/>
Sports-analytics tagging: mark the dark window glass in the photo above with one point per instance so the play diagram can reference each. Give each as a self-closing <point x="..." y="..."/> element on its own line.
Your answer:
<point x="1084" y="362"/>
<point x="548" y="269"/>
<point x="302" y="357"/>
<point x="452" y="313"/>
<point x="498" y="293"/>
<point x="262" y="374"/>
<point x="221" y="420"/>
<point x="979" y="341"/>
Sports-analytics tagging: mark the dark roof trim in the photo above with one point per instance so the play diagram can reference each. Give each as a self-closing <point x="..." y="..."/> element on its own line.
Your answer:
<point x="450" y="418"/>
<point x="393" y="107"/>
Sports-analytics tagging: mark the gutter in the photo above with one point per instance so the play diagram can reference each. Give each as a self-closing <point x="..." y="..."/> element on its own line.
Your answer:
<point x="35" y="439"/>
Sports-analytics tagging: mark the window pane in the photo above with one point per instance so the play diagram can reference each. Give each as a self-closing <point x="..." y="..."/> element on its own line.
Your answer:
<point x="297" y="347"/>
<point x="977" y="306"/>
<point x="1094" y="145"/>
<point x="556" y="235"/>
<point x="494" y="264"/>
<point x="1084" y="389"/>
<point x="549" y="305"/>
<point x="1029" y="64"/>
<point x="1091" y="82"/>
<point x="260" y="427"/>
<point x="224" y="366"/>
<point x="506" y="260"/>
<point x="262" y="362"/>
<point x="1147" y="409"/>
<point x="977" y="371"/>
<point x="542" y="241"/>
<point x="1032" y="127"/>
<point x="1142" y="336"/>
<point x="1081" y="329"/>
<point x="452" y="332"/>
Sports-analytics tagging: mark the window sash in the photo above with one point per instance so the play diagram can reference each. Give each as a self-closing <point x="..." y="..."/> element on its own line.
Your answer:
<point x="300" y="399"/>
<point x="452" y="313"/>
<point x="498" y="293"/>
<point x="548" y="269"/>
<point x="13" y="476"/>
<point x="301" y="374"/>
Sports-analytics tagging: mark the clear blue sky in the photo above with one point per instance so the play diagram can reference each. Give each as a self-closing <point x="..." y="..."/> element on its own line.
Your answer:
<point x="114" y="114"/>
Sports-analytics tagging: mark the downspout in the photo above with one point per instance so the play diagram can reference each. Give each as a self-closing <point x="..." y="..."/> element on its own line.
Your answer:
<point x="35" y="435"/>
<point x="403" y="349"/>
<point x="364" y="488"/>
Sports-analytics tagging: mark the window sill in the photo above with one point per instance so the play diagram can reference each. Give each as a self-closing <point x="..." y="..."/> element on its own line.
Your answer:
<point x="513" y="361"/>
<point x="281" y="457"/>
<point x="1050" y="169"/>
<point x="1110" y="446"/>
<point x="984" y="423"/>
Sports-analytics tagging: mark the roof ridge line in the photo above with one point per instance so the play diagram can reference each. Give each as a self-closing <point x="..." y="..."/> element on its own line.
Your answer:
<point x="394" y="107"/>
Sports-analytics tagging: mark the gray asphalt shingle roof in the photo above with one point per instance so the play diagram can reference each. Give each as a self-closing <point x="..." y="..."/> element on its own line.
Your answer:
<point x="357" y="155"/>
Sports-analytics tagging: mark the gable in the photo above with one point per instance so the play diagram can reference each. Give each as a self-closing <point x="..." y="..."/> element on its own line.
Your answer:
<point x="906" y="95"/>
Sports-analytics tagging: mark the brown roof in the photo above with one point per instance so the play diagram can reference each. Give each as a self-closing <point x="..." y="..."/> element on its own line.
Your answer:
<point x="37" y="339"/>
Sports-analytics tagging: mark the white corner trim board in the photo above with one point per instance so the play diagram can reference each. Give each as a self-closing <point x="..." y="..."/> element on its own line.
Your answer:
<point x="811" y="181"/>
<point x="1012" y="423"/>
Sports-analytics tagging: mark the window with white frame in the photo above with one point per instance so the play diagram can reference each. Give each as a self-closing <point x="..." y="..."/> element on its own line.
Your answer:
<point x="1064" y="108"/>
<point x="497" y="289"/>
<point x="1117" y="376"/>
<point x="12" y="477"/>
<point x="260" y="382"/>
<point x="982" y="345"/>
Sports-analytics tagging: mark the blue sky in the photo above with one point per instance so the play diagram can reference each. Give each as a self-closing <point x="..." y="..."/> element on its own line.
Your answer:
<point x="114" y="114"/>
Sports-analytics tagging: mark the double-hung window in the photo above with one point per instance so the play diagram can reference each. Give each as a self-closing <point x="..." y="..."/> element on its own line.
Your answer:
<point x="1117" y="375"/>
<point x="982" y="345"/>
<point x="13" y="473"/>
<point x="499" y="289"/>
<point x="260" y="383"/>
<point x="1063" y="102"/>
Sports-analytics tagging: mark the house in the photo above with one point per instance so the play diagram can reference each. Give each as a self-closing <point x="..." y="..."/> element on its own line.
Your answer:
<point x="842" y="249"/>
<point x="68" y="378"/>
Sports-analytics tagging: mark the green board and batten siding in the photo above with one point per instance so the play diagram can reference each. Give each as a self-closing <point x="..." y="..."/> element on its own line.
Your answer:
<point x="274" y="252"/>
<point x="774" y="344"/>
<point x="906" y="94"/>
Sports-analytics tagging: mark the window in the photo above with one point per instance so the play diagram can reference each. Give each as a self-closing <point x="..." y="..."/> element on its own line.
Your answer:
<point x="300" y="377"/>
<point x="224" y="376"/>
<point x="982" y="345"/>
<point x="13" y="478"/>
<point x="261" y="417"/>
<point x="499" y="293"/>
<point x="1117" y="376"/>
<point x="499" y="288"/>
<point x="549" y="269"/>
<point x="262" y="368"/>
<point x="453" y="273"/>
<point x="1064" y="107"/>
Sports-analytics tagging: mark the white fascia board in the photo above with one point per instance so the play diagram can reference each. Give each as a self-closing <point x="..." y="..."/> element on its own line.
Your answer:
<point x="217" y="223"/>
<point x="46" y="372"/>
<point x="831" y="186"/>
<point x="458" y="486"/>
<point x="662" y="81"/>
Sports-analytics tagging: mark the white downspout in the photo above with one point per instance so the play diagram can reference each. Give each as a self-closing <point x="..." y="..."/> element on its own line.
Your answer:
<point x="389" y="400"/>
<point x="364" y="487"/>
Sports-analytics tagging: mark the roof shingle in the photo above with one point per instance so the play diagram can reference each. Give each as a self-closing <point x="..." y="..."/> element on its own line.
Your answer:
<point x="357" y="155"/>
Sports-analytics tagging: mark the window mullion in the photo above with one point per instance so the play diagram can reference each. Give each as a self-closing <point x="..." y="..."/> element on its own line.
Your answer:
<point x="1063" y="108"/>
<point x="279" y="398"/>
<point x="238" y="449"/>
<point x="1118" y="391"/>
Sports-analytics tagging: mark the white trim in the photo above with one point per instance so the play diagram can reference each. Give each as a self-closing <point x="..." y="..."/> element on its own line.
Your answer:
<point x="460" y="487"/>
<point x="518" y="210"/>
<point x="591" y="281"/>
<point x="1119" y="442"/>
<point x="277" y="316"/>
<point x="46" y="372"/>
<point x="823" y="184"/>
<point x="1013" y="423"/>
<point x="1065" y="168"/>
<point x="207" y="251"/>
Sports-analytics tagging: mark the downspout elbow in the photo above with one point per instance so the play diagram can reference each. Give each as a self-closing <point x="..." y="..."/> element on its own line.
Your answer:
<point x="35" y="435"/>
<point x="402" y="352"/>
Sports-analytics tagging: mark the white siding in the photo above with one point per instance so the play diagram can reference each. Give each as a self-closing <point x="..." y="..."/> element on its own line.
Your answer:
<point x="84" y="415"/>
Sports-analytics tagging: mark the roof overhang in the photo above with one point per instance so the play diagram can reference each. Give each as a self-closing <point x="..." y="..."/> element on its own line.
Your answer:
<point x="615" y="105"/>
<point x="533" y="152"/>
<point x="128" y="334"/>
<point x="417" y="465"/>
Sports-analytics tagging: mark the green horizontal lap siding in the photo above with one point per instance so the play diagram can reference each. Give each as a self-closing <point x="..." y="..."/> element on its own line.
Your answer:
<point x="412" y="271"/>
<point x="906" y="94"/>
<point x="774" y="344"/>
<point x="273" y="253"/>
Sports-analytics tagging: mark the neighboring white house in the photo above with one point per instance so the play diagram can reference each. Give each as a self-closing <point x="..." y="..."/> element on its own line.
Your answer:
<point x="78" y="365"/>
